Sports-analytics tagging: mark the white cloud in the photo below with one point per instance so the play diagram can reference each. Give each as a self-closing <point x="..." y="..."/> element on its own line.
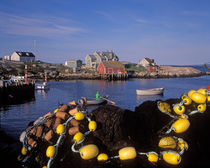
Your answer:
<point x="36" y="26"/>
<point x="139" y="20"/>
<point x="105" y="15"/>
<point x="195" y="13"/>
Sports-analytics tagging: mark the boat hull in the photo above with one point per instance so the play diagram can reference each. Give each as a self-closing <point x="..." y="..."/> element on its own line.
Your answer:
<point x="91" y="102"/>
<point x="148" y="92"/>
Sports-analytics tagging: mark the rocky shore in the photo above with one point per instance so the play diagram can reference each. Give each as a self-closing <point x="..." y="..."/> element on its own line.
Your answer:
<point x="163" y="72"/>
<point x="38" y="71"/>
<point x="171" y="72"/>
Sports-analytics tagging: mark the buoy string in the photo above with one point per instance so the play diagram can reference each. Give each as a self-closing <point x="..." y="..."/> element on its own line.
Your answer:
<point x="114" y="157"/>
<point x="184" y="147"/>
<point x="142" y="153"/>
<point x="73" y="148"/>
<point x="82" y="108"/>
<point x="59" y="141"/>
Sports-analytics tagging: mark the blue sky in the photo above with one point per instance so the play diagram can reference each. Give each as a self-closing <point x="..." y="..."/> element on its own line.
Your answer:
<point x="170" y="31"/>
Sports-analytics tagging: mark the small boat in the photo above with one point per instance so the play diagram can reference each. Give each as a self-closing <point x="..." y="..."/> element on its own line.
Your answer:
<point x="91" y="102"/>
<point x="43" y="86"/>
<point x="154" y="91"/>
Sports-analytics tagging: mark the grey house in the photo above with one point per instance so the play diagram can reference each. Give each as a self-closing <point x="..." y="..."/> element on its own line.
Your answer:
<point x="93" y="60"/>
<point x="74" y="64"/>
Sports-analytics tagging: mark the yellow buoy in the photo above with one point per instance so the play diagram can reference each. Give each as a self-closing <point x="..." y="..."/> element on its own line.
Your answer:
<point x="89" y="151"/>
<point x="102" y="157"/>
<point x="202" y="91"/>
<point x="50" y="152"/>
<point x="183" y="96"/>
<point x="152" y="156"/>
<point x="47" y="115"/>
<point x="181" y="125"/>
<point x="198" y="98"/>
<point x="60" y="129"/>
<point x="78" y="137"/>
<point x="92" y="125"/>
<point x="183" y="116"/>
<point x="183" y="144"/>
<point x="44" y="167"/>
<point x="127" y="153"/>
<point x="201" y="107"/>
<point x="179" y="109"/>
<point x="79" y="116"/>
<point x="24" y="150"/>
<point x="171" y="157"/>
<point x="190" y="93"/>
<point x="208" y="98"/>
<point x="167" y="142"/>
<point x="187" y="101"/>
<point x="164" y="107"/>
<point x="56" y="110"/>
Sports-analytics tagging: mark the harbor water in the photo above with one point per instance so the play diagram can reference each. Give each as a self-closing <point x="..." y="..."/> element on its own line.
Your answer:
<point x="15" y="118"/>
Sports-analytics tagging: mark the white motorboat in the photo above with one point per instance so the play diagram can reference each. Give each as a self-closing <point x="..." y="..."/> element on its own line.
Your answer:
<point x="41" y="86"/>
<point x="153" y="91"/>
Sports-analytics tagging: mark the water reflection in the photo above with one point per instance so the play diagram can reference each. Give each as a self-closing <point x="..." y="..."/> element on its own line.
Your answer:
<point x="139" y="97"/>
<point x="27" y="110"/>
<point x="43" y="93"/>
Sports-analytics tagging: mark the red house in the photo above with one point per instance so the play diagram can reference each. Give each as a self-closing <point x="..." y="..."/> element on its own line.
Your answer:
<point x="109" y="67"/>
<point x="152" y="68"/>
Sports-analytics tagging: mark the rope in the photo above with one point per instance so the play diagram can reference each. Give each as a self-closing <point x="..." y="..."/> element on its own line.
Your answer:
<point x="166" y="126"/>
<point x="184" y="147"/>
<point x="58" y="141"/>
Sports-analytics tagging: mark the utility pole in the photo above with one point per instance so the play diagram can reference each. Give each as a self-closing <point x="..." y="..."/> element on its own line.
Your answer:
<point x="35" y="49"/>
<point x="26" y="75"/>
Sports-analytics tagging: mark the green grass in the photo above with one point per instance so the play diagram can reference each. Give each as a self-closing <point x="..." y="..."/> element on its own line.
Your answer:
<point x="135" y="69"/>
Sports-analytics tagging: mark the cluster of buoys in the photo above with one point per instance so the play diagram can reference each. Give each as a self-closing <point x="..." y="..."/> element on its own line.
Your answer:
<point x="177" y="146"/>
<point x="66" y="121"/>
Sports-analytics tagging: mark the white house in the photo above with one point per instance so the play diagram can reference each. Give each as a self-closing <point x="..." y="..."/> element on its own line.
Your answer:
<point x="23" y="56"/>
<point x="7" y="57"/>
<point x="145" y="62"/>
<point x="92" y="61"/>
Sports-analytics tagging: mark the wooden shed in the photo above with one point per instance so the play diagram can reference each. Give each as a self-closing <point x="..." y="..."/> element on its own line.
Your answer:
<point x="110" y="67"/>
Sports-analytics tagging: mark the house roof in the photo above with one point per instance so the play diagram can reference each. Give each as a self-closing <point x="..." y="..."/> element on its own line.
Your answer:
<point x="113" y="64"/>
<point x="92" y="57"/>
<point x="126" y="62"/>
<point x="108" y="54"/>
<point x="149" y="60"/>
<point x="25" y="54"/>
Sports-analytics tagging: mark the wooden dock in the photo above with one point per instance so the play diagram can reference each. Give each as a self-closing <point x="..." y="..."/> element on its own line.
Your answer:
<point x="114" y="76"/>
<point x="16" y="93"/>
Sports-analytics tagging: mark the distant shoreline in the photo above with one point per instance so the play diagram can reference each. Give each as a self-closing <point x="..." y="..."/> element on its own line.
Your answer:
<point x="56" y="72"/>
<point x="164" y="72"/>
